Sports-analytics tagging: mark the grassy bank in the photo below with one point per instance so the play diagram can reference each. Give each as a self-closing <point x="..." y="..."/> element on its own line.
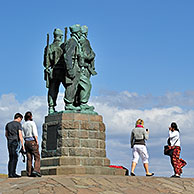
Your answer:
<point x="3" y="175"/>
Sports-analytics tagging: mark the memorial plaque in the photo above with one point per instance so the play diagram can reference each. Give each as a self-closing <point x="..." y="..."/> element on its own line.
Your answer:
<point x="51" y="143"/>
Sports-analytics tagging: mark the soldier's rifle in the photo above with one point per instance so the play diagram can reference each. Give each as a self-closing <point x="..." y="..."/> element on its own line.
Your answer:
<point x="47" y="62"/>
<point x="65" y="39"/>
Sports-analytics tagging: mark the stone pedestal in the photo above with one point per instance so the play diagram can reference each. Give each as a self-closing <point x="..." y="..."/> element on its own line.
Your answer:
<point x="74" y="143"/>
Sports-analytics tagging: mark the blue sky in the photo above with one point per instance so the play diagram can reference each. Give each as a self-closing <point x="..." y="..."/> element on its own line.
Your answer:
<point x="141" y="46"/>
<point x="144" y="59"/>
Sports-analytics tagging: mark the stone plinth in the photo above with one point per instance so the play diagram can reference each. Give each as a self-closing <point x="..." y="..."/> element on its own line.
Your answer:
<point x="74" y="143"/>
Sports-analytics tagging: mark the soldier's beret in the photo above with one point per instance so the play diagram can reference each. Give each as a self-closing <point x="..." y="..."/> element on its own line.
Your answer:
<point x="75" y="28"/>
<point x="84" y="29"/>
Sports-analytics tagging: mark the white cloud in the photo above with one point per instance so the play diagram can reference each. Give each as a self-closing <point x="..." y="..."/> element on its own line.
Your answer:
<point x="132" y="100"/>
<point x="9" y="105"/>
<point x="119" y="120"/>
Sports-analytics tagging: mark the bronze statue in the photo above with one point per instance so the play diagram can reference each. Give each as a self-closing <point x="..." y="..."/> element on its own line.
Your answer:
<point x="72" y="57"/>
<point x="72" y="64"/>
<point x="87" y="69"/>
<point x="54" y="68"/>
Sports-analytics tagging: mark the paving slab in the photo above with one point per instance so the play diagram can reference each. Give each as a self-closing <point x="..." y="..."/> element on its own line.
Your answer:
<point x="78" y="184"/>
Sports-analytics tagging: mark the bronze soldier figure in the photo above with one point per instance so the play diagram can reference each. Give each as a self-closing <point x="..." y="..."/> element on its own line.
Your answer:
<point x="72" y="57"/>
<point x="87" y="69"/>
<point x="54" y="68"/>
<point x="72" y="64"/>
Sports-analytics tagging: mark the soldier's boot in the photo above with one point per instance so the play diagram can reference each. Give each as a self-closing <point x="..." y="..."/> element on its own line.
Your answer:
<point x="84" y="106"/>
<point x="71" y="107"/>
<point x="51" y="110"/>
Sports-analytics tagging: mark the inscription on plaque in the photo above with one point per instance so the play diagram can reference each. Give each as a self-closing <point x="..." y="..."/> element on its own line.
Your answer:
<point x="51" y="143"/>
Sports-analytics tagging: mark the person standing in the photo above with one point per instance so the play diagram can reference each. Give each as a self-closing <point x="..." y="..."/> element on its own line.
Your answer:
<point x="174" y="140"/>
<point x="138" y="136"/>
<point x="13" y="133"/>
<point x="31" y="145"/>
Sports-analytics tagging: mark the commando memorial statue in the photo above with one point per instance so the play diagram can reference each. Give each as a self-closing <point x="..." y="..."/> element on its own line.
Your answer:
<point x="74" y="139"/>
<point x="70" y="62"/>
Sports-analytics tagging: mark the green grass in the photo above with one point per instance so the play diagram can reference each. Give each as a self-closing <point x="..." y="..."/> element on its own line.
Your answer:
<point x="3" y="175"/>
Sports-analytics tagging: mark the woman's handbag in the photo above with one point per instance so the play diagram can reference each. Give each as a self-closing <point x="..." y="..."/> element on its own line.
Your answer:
<point x="168" y="150"/>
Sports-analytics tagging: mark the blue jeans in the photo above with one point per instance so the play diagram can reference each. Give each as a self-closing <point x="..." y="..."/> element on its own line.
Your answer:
<point x="13" y="148"/>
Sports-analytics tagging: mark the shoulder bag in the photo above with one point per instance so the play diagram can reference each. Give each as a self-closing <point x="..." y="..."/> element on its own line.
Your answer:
<point x="168" y="150"/>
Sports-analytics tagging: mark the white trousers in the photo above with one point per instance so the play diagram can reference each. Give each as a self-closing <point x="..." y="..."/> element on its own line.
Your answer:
<point x="140" y="151"/>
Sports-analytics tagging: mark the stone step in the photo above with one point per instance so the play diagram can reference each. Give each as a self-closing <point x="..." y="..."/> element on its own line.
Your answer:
<point x="71" y="169"/>
<point x="83" y="161"/>
<point x="65" y="170"/>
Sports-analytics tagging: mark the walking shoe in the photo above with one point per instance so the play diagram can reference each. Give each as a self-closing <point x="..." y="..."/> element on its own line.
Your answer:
<point x="14" y="176"/>
<point x="175" y="176"/>
<point x="36" y="174"/>
<point x="31" y="175"/>
<point x="132" y="174"/>
<point x="151" y="174"/>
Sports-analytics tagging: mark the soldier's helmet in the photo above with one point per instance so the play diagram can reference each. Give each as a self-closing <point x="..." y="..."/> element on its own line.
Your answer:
<point x="75" y="28"/>
<point x="58" y="31"/>
<point x="84" y="29"/>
